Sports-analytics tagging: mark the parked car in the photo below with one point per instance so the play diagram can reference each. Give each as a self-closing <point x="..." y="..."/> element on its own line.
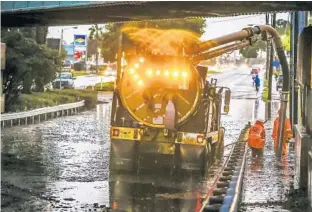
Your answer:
<point x="279" y="82"/>
<point x="64" y="80"/>
<point x="255" y="70"/>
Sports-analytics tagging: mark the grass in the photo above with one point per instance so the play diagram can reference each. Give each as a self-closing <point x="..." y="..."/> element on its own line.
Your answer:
<point x="79" y="73"/>
<point x="106" y="86"/>
<point x="214" y="72"/>
<point x="53" y="98"/>
<point x="265" y="91"/>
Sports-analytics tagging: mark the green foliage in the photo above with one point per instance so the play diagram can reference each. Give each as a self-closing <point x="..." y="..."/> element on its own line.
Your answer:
<point x="265" y="91"/>
<point x="79" y="73"/>
<point x="29" y="66"/>
<point x="53" y="98"/>
<point x="109" y="39"/>
<point x="284" y="31"/>
<point x="252" y="51"/>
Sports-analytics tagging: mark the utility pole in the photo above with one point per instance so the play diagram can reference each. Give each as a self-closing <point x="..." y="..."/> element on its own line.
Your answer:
<point x="60" y="54"/>
<point x="271" y="67"/>
<point x="267" y="22"/>
<point x="60" y="51"/>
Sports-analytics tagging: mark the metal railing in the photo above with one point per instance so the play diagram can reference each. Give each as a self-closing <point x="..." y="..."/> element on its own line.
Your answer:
<point x="41" y="111"/>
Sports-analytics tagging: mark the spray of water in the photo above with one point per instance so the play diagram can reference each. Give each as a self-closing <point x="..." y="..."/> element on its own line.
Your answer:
<point x="160" y="41"/>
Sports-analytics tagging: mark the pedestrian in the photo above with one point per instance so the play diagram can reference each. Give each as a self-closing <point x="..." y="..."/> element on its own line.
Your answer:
<point x="256" y="138"/>
<point x="253" y="77"/>
<point x="257" y="83"/>
<point x="287" y="133"/>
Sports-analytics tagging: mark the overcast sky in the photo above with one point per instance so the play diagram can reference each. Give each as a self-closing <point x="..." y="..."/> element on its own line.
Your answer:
<point x="215" y="26"/>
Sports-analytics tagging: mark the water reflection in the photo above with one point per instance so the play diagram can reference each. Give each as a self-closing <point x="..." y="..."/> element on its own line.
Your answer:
<point x="157" y="192"/>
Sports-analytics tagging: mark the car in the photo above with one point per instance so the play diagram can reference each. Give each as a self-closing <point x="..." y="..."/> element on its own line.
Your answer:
<point x="255" y="70"/>
<point x="279" y="82"/>
<point x="64" y="80"/>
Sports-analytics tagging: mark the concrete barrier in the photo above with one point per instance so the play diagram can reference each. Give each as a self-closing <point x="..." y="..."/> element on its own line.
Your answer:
<point x="303" y="143"/>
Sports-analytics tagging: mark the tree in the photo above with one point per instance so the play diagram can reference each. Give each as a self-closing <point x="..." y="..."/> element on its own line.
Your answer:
<point x="28" y="65"/>
<point x="95" y="34"/>
<point x="252" y="51"/>
<point x="283" y="28"/>
<point x="110" y="37"/>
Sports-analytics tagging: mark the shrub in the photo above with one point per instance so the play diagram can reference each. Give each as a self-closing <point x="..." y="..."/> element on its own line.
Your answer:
<point x="52" y="98"/>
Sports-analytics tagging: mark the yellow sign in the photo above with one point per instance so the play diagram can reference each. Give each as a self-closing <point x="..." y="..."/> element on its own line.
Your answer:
<point x="80" y="40"/>
<point x="125" y="133"/>
<point x="191" y="138"/>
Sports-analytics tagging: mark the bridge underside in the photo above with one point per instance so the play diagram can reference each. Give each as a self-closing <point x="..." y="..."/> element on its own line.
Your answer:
<point x="106" y="12"/>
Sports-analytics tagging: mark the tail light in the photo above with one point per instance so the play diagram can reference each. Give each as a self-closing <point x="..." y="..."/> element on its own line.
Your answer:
<point x="200" y="139"/>
<point x="115" y="132"/>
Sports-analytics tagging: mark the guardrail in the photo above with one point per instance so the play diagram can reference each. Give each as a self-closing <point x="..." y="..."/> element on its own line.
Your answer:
<point x="19" y="118"/>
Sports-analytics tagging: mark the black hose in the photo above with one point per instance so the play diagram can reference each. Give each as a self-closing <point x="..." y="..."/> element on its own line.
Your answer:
<point x="285" y="69"/>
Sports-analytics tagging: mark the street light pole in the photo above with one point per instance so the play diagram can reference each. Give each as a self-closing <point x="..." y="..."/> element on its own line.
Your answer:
<point x="60" y="54"/>
<point x="60" y="51"/>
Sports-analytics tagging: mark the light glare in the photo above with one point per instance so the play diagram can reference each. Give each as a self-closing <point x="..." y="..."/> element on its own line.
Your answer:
<point x="141" y="60"/>
<point x="149" y="72"/>
<point x="158" y="72"/>
<point x="175" y="73"/>
<point x="136" y="65"/>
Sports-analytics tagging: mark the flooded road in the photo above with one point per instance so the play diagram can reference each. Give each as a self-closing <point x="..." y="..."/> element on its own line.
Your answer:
<point x="63" y="164"/>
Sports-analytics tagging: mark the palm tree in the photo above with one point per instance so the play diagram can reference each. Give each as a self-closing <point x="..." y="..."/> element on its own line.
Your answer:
<point x="96" y="34"/>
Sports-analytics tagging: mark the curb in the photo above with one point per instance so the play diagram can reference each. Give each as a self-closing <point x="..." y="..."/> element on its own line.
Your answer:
<point x="226" y="191"/>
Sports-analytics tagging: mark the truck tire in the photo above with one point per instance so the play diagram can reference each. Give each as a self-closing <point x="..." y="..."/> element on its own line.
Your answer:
<point x="208" y="159"/>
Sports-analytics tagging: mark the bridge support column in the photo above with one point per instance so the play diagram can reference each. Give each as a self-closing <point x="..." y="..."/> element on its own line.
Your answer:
<point x="298" y="22"/>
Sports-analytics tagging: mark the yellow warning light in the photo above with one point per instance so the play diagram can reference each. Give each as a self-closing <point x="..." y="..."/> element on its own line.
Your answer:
<point x="184" y="74"/>
<point x="141" y="60"/>
<point x="131" y="70"/>
<point x="136" y="76"/>
<point x="166" y="73"/>
<point x="136" y="65"/>
<point x="157" y="72"/>
<point x="149" y="72"/>
<point x="140" y="83"/>
<point x="175" y="73"/>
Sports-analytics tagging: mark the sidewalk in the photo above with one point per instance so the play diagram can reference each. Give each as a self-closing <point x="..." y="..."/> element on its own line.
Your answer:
<point x="267" y="181"/>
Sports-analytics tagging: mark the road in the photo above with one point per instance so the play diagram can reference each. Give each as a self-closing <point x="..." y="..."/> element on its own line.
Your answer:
<point x="90" y="80"/>
<point x="63" y="163"/>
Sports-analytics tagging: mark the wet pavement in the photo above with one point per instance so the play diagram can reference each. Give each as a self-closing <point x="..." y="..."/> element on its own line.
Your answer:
<point x="267" y="181"/>
<point x="62" y="164"/>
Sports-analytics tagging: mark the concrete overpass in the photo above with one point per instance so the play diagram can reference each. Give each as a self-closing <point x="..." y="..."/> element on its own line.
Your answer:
<point x="32" y="13"/>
